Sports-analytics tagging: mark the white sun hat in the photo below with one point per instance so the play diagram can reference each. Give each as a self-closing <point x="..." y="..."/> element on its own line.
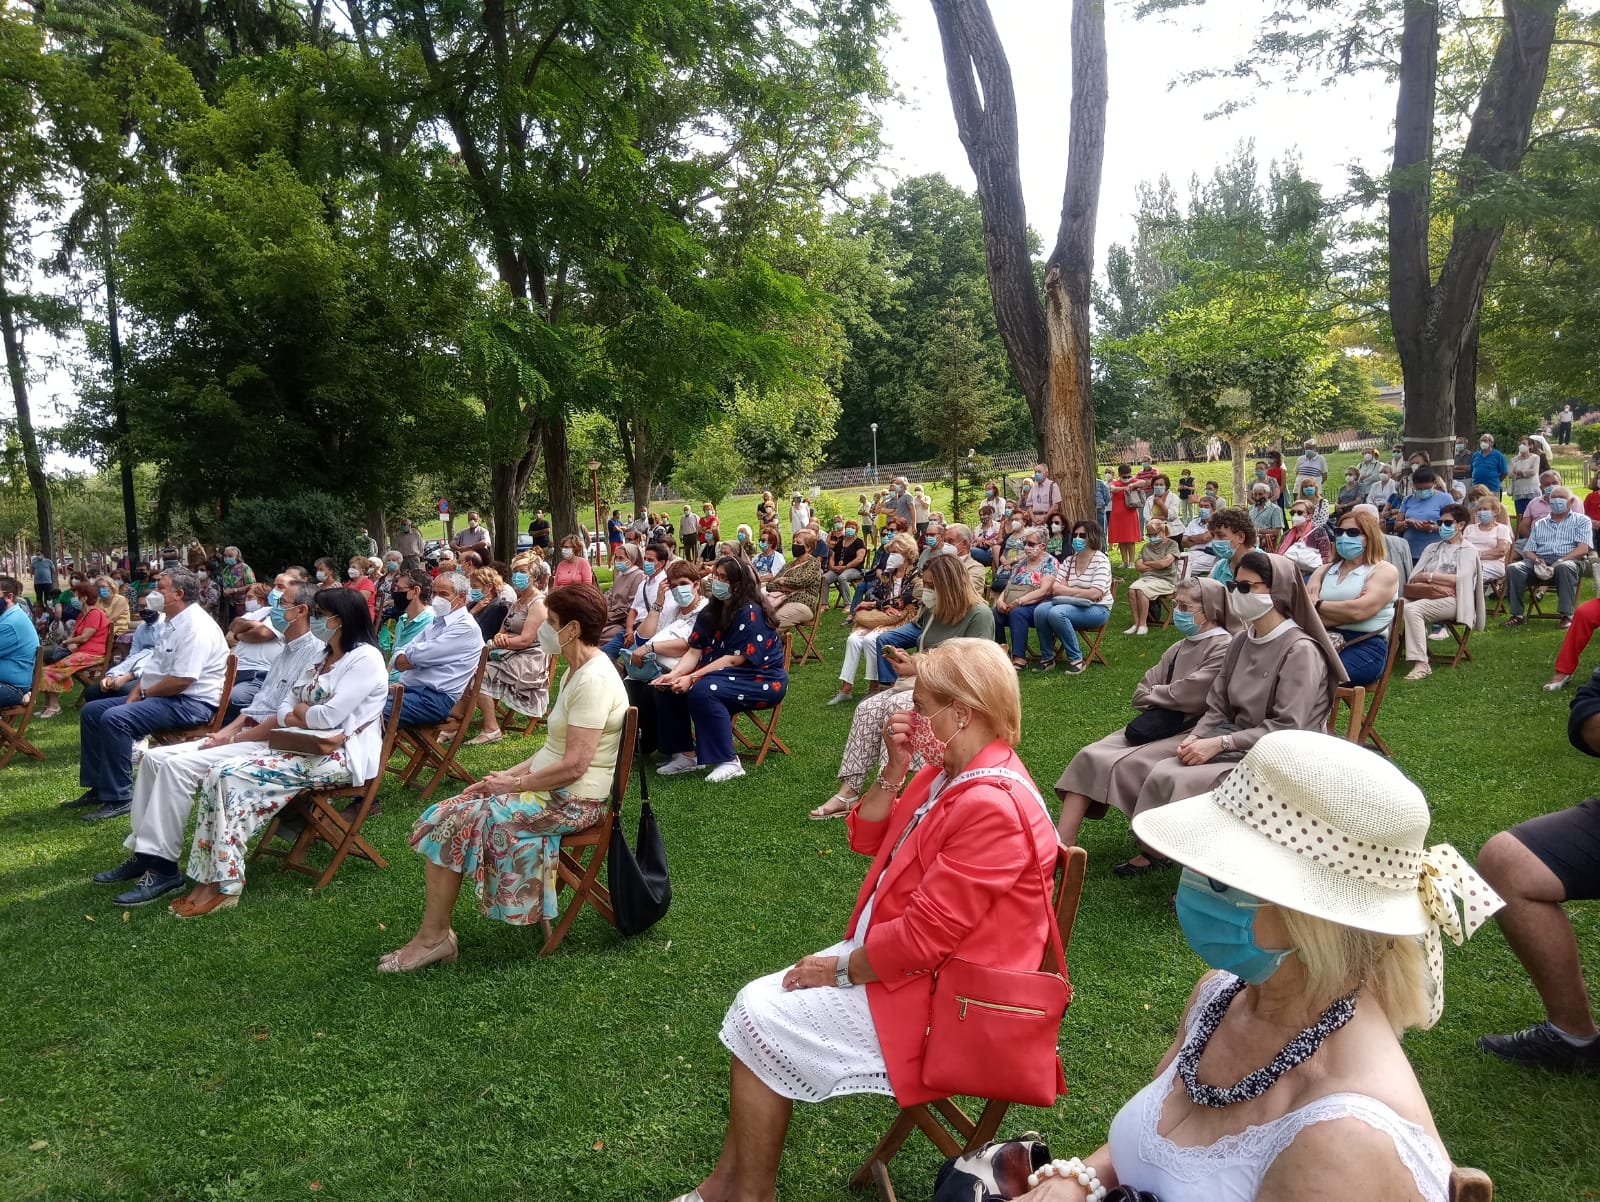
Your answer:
<point x="1316" y="824"/>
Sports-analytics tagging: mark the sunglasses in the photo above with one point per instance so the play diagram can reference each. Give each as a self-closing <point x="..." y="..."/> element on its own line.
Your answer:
<point x="1032" y="546"/>
<point x="1348" y="532"/>
<point x="1243" y="586"/>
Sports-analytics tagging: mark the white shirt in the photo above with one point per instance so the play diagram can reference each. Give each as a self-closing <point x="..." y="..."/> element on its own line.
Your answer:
<point x="356" y="688"/>
<point x="445" y="655"/>
<point x="648" y="594"/>
<point x="259" y="657"/>
<point x="298" y="658"/>
<point x="192" y="646"/>
<point x="681" y="627"/>
<point x="799" y="517"/>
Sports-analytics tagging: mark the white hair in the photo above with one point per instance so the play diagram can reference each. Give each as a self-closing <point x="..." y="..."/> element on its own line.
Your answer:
<point x="459" y="584"/>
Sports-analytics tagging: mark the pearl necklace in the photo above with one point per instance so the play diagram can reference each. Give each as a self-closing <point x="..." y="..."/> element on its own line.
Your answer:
<point x="1294" y="1053"/>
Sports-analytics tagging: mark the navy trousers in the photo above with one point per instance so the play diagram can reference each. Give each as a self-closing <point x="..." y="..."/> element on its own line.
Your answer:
<point x="422" y="705"/>
<point x="111" y="726"/>
<point x="709" y="706"/>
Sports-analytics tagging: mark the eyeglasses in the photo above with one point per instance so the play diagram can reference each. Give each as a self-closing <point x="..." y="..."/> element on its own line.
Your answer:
<point x="1245" y="586"/>
<point x="1348" y="532"/>
<point x="1033" y="546"/>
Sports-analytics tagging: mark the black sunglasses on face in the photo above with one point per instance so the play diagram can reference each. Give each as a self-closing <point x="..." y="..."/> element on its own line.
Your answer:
<point x="1348" y="532"/>
<point x="1241" y="586"/>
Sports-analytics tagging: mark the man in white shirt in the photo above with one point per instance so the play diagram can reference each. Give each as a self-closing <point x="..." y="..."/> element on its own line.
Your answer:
<point x="437" y="666"/>
<point x="1044" y="496"/>
<point x="1310" y="465"/>
<point x="649" y="595"/>
<point x="958" y="537"/>
<point x="1197" y="539"/>
<point x="257" y="645"/>
<point x="165" y="778"/>
<point x="180" y="685"/>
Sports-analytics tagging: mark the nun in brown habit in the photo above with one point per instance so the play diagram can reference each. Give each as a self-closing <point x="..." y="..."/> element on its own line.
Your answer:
<point x="1280" y="673"/>
<point x="1112" y="771"/>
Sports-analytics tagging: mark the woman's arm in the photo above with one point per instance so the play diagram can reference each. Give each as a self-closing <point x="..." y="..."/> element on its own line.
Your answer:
<point x="362" y="675"/>
<point x="1383" y="582"/>
<point x="582" y="742"/>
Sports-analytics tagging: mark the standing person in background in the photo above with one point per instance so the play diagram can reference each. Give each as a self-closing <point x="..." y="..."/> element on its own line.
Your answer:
<point x="473" y="538"/>
<point x="1564" y="425"/>
<point x="1310" y="465"/>
<point x="799" y="516"/>
<point x="369" y="545"/>
<point x="44" y="580"/>
<point x="409" y="543"/>
<point x="1044" y="497"/>
<point x="1489" y="466"/>
<point x="1185" y="496"/>
<point x="709" y="531"/>
<point x="614" y="532"/>
<point x="1127" y="513"/>
<point x="1102" y="498"/>
<point x="689" y="531"/>
<point x="539" y="530"/>
<point x="921" y="509"/>
<point x="235" y="581"/>
<point x="1276" y="474"/>
<point x="1525" y="468"/>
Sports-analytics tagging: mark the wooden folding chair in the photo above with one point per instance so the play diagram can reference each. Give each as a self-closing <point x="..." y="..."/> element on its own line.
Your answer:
<point x="808" y="637"/>
<point x="1380" y="689"/>
<point x="163" y="738"/>
<point x="765" y="736"/>
<point x="95" y="672"/>
<point x="1091" y="639"/>
<point x="1461" y="632"/>
<point x="924" y="1117"/>
<point x="509" y="719"/>
<point x="1354" y="697"/>
<point x="15" y="719"/>
<point x="324" y="818"/>
<point x="1470" y="1185"/>
<point x="583" y="877"/>
<point x="423" y="749"/>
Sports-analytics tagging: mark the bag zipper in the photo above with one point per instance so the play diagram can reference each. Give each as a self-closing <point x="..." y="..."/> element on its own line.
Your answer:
<point x="1001" y="1006"/>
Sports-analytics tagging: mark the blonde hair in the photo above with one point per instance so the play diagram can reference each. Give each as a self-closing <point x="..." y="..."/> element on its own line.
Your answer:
<point x="488" y="580"/>
<point x="1392" y="969"/>
<point x="1157" y="526"/>
<point x="1373" y="549"/>
<point x="905" y="545"/>
<point x="978" y="674"/>
<point x="953" y="587"/>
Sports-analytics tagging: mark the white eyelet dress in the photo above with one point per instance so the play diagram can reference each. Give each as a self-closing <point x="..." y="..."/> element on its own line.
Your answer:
<point x="1231" y="1170"/>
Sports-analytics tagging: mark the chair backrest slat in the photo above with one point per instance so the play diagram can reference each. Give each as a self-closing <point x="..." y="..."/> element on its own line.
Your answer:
<point x="621" y="774"/>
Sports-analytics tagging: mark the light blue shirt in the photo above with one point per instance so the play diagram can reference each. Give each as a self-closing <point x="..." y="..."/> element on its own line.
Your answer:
<point x="1420" y="509"/>
<point x="445" y="655"/>
<point x="19" y="647"/>
<point x="1554" y="537"/>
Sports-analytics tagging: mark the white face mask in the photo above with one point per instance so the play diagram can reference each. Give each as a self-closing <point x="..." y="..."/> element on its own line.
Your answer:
<point x="929" y="598"/>
<point x="441" y="606"/>
<point x="1248" y="607"/>
<point x="252" y="606"/>
<point x="566" y="552"/>
<point x="154" y="603"/>
<point x="1298" y="519"/>
<point x="949" y="549"/>
<point x="321" y="575"/>
<point x="353" y="573"/>
<point x="549" y="640"/>
<point x="1016" y="526"/>
<point x="894" y="560"/>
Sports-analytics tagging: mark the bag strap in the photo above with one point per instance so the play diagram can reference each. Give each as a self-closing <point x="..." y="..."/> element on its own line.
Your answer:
<point x="1013" y="777"/>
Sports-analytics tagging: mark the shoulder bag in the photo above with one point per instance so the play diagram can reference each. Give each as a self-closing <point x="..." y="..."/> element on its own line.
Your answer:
<point x="638" y="882"/>
<point x="1158" y="722"/>
<point x="301" y="741"/>
<point x="992" y="1032"/>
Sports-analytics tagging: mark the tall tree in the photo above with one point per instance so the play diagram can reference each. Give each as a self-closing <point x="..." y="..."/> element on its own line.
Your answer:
<point x="956" y="401"/>
<point x="1047" y="338"/>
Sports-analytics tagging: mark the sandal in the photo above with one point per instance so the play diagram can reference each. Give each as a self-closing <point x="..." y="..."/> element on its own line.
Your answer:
<point x="1557" y="682"/>
<point x="184" y="908"/>
<point x="446" y="951"/>
<point x="829" y="809"/>
<point x="1420" y="672"/>
<point x="486" y="738"/>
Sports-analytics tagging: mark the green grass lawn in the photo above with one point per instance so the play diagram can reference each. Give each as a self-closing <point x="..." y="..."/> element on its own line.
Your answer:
<point x="257" y="1054"/>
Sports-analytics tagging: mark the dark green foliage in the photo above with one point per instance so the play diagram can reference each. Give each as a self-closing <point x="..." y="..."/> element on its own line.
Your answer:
<point x="273" y="532"/>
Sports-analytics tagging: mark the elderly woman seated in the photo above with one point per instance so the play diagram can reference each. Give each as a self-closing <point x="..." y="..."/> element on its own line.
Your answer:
<point x="518" y="672"/>
<point x="1287" y="1073"/>
<point x="951" y="608"/>
<point x="1282" y="673"/>
<point x="1307" y="543"/>
<point x="795" y="593"/>
<point x="84" y="648"/>
<point x="342" y="696"/>
<point x="1159" y="566"/>
<point x="734" y="662"/>
<point x="1445" y="586"/>
<point x="961" y="859"/>
<point x="505" y="831"/>
<point x="485" y="601"/>
<point x="1169" y="699"/>
<point x="890" y="597"/>
<point x="1355" y="598"/>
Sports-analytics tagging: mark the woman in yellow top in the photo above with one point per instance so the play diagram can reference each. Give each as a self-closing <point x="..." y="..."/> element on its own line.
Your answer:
<point x="505" y="831"/>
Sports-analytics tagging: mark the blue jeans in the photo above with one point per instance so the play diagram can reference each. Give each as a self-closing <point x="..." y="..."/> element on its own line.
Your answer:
<point x="111" y="726"/>
<point x="422" y="705"/>
<point x="1364" y="662"/>
<point x="10" y="695"/>
<point x="1020" y="620"/>
<point x="897" y="636"/>
<point x="702" y="718"/>
<point x="613" y="646"/>
<point x="1060" y="620"/>
<point x="984" y="556"/>
<point x="860" y="594"/>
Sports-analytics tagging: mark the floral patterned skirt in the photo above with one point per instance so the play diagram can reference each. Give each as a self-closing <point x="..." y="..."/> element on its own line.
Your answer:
<point x="509" y="844"/>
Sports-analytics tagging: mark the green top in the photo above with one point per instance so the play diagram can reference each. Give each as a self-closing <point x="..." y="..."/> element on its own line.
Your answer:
<point x="978" y="624"/>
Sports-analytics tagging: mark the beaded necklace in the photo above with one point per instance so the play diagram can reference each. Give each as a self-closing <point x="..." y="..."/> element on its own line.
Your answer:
<point x="1296" y="1052"/>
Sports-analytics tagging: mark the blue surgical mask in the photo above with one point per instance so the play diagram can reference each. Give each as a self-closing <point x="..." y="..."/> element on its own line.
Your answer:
<point x="229" y="560"/>
<point x="743" y="537"/>
<point x="1447" y="530"/>
<point x="105" y="594"/>
<point x="683" y="594"/>
<point x="1220" y="927"/>
<point x="519" y="580"/>
<point x="1558" y="505"/>
<point x="279" y="620"/>
<point x="1160" y="490"/>
<point x="474" y="594"/>
<point x="1547" y="489"/>
<point x="649" y="567"/>
<point x="932" y="540"/>
<point x="1424" y="493"/>
<point x="1349" y="546"/>
<point x="1222" y="549"/>
<point x="274" y="596"/>
<point x="1486" y="515"/>
<point x="721" y="589"/>
<point x="1079" y="544"/>
<point x="1188" y="625"/>
<point x="320" y="630"/>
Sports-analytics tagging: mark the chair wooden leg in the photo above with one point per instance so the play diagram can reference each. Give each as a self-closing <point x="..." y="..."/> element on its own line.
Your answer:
<point x="905" y="1122"/>
<point x="880" y="1178"/>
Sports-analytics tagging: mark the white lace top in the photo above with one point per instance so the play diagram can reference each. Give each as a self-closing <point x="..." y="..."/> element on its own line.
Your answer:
<point x="1231" y="1170"/>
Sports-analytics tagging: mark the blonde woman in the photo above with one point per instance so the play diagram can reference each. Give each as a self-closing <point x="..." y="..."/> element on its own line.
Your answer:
<point x="950" y="609"/>
<point x="571" y="566"/>
<point x="116" y="605"/>
<point x="1158" y="574"/>
<point x="483" y="599"/>
<point x="890" y="599"/>
<point x="1355" y="595"/>
<point x="518" y="672"/>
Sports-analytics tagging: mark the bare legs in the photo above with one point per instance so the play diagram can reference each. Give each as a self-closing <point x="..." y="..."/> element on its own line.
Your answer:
<point x="1537" y="927"/>
<point x="1126" y="551"/>
<point x="1141" y="610"/>
<point x="443" y="886"/>
<point x="758" y="1122"/>
<point x="1074" y="806"/>
<point x="490" y="725"/>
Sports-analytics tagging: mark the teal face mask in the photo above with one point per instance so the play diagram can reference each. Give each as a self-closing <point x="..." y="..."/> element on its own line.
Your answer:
<point x="474" y="594"/>
<point x="1424" y="493"/>
<point x="721" y="589"/>
<point x="1222" y="549"/>
<point x="683" y="594"/>
<point x="1188" y="625"/>
<point x="1350" y="547"/>
<point x="319" y="629"/>
<point x="649" y="567"/>
<point x="1078" y="544"/>
<point x="1220" y="927"/>
<point x="1447" y="530"/>
<point x="274" y="596"/>
<point x="519" y="580"/>
<point x="279" y="620"/>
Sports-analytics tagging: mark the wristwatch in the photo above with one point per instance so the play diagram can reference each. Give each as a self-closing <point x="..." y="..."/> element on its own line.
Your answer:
<point x="1227" y="743"/>
<point x="841" y="975"/>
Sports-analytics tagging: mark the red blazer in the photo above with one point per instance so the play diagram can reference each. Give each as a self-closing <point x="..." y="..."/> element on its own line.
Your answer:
<point x="965" y="883"/>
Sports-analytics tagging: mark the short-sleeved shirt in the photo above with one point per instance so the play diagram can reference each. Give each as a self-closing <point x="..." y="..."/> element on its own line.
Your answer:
<point x="844" y="552"/>
<point x="469" y="538"/>
<point x="708" y="526"/>
<point x="613" y="531"/>
<point x="902" y="506"/>
<point x="1419" y="509"/>
<point x="192" y="646"/>
<point x="1044" y="496"/>
<point x="747" y="633"/>
<point x="1489" y="470"/>
<point x="44" y="572"/>
<point x="539" y="532"/>
<point x="592" y="698"/>
<point x="19" y="647"/>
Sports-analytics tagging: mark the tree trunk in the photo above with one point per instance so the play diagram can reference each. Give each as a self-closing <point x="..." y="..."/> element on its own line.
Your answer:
<point x="378" y="528"/>
<point x="119" y="406"/>
<point x="508" y="484"/>
<point x="1467" y="385"/>
<point x="642" y="460"/>
<point x="1047" y="343"/>
<point x="558" y="481"/>
<point x="17" y="371"/>
<point x="1435" y="321"/>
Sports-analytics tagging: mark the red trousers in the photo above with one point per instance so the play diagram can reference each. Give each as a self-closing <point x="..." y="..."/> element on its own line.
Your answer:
<point x="1584" y="620"/>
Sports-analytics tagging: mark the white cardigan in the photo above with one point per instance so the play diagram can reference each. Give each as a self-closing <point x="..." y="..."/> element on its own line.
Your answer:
<point x="358" y="686"/>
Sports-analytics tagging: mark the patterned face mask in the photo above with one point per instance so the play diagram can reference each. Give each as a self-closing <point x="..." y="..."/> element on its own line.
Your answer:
<point x="925" y="745"/>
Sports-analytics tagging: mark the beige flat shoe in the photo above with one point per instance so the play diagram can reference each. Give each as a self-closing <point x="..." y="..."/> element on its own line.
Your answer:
<point x="836" y="806"/>
<point x="446" y="951"/>
<point x="485" y="739"/>
<point x="1420" y="672"/>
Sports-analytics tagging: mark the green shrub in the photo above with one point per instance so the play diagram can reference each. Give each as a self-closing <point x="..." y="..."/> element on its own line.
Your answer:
<point x="1587" y="438"/>
<point x="274" y="532"/>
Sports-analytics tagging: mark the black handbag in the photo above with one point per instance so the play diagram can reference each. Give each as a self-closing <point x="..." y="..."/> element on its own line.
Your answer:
<point x="640" y="889"/>
<point x="1158" y="722"/>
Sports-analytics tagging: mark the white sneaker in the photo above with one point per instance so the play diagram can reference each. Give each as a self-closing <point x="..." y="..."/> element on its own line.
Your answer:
<point x="726" y="771"/>
<point x="840" y="698"/>
<point x="1131" y="630"/>
<point x="1439" y="636"/>
<point x="678" y="765"/>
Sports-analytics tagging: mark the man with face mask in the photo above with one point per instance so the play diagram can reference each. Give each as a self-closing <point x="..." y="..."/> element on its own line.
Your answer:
<point x="1044" y="497"/>
<point x="165" y="778"/>
<point x="439" y="663"/>
<point x="957" y="540"/>
<point x="1556" y="550"/>
<point x="408" y="615"/>
<point x="180" y="686"/>
<point x="1489" y="466"/>
<point x="19" y="645"/>
<point x="408" y="543"/>
<point x="473" y="538"/>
